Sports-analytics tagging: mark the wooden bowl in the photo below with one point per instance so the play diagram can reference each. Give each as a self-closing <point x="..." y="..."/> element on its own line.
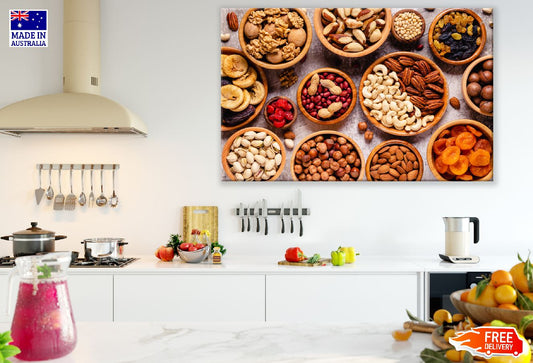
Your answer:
<point x="319" y="27"/>
<point x="369" y="161"/>
<point x="227" y="146"/>
<point x="294" y="113"/>
<point x="323" y="133"/>
<point x="484" y="129"/>
<point x="393" y="131"/>
<point x="283" y="65"/>
<point x="484" y="314"/>
<point x="479" y="48"/>
<point x="261" y="74"/>
<point x="464" y="83"/>
<point x="398" y="37"/>
<point x="328" y="121"/>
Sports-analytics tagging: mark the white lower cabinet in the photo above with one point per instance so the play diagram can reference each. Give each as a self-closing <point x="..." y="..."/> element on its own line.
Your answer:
<point x="91" y="297"/>
<point x="335" y="298"/>
<point x="183" y="297"/>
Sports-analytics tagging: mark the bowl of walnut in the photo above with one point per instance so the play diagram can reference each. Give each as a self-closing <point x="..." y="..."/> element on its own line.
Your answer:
<point x="352" y="32"/>
<point x="275" y="38"/>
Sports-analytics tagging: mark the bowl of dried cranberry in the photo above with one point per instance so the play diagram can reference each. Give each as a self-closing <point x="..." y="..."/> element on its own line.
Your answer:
<point x="326" y="96"/>
<point x="280" y="112"/>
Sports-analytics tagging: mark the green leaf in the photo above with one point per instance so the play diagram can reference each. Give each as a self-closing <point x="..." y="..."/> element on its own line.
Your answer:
<point x="433" y="356"/>
<point x="315" y="258"/>
<point x="524" y="323"/>
<point x="481" y="286"/>
<point x="468" y="358"/>
<point x="9" y="351"/>
<point x="5" y="338"/>
<point x="45" y="270"/>
<point x="413" y="317"/>
<point x="523" y="302"/>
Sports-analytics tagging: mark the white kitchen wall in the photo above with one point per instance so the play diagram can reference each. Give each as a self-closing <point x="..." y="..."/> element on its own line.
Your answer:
<point x="160" y="58"/>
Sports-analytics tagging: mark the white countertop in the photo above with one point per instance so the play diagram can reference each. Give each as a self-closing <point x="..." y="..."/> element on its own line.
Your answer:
<point x="240" y="342"/>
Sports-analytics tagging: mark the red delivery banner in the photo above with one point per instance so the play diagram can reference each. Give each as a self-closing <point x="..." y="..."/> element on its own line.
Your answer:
<point x="490" y="341"/>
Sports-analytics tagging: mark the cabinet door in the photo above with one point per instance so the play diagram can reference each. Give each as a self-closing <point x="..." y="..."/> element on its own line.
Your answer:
<point x="4" y="318"/>
<point x="189" y="297"/>
<point x="91" y="297"/>
<point x="376" y="298"/>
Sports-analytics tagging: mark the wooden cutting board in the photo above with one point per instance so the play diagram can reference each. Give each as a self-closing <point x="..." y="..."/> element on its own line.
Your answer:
<point x="439" y="341"/>
<point x="200" y="217"/>
<point x="321" y="262"/>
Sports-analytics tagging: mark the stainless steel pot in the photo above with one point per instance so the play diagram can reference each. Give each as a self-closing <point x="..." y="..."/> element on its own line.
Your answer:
<point x="103" y="247"/>
<point x="33" y="240"/>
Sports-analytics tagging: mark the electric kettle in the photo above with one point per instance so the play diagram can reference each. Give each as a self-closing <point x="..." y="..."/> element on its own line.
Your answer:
<point x="458" y="239"/>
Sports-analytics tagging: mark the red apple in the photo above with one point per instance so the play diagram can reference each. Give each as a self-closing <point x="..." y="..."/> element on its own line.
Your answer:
<point x="165" y="253"/>
<point x="185" y="246"/>
<point x="200" y="246"/>
<point x="193" y="248"/>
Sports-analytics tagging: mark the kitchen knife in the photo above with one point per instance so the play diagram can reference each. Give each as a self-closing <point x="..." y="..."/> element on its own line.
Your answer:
<point x="241" y="214"/>
<point x="290" y="215"/>
<point x="265" y="215"/>
<point x="257" y="213"/>
<point x="299" y="205"/>
<point x="282" y="220"/>
<point x="248" y="217"/>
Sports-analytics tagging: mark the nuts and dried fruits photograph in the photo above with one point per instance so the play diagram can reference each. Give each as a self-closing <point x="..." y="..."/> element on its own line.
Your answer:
<point x="357" y="94"/>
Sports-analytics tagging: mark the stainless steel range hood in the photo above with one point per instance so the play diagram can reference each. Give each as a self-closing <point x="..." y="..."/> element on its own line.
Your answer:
<point x="80" y="108"/>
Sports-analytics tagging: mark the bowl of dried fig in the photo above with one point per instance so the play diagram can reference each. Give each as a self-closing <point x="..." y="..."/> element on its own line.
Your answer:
<point x="403" y="94"/>
<point x="275" y="38"/>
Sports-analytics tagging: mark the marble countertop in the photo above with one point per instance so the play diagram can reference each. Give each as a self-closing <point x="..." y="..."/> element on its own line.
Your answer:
<point x="240" y="342"/>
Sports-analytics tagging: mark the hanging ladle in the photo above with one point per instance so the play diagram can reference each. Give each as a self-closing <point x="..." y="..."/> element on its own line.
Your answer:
<point x="101" y="200"/>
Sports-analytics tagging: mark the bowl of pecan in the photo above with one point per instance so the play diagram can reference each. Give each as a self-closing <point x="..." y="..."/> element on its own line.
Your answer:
<point x="403" y="94"/>
<point x="275" y="38"/>
<point x="457" y="36"/>
<point x="327" y="156"/>
<point x="352" y="32"/>
<point x="326" y="96"/>
<point x="394" y="160"/>
<point x="461" y="150"/>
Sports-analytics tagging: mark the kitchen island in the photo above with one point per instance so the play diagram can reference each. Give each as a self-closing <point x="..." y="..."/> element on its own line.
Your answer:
<point x="241" y="342"/>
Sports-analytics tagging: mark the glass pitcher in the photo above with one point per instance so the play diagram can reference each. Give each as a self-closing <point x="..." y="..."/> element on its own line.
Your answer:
<point x="43" y="325"/>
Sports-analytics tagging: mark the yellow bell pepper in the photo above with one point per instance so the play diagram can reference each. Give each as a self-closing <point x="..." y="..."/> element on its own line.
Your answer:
<point x="350" y="254"/>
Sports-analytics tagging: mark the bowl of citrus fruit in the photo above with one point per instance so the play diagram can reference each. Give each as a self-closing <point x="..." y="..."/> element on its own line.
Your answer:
<point x="505" y="296"/>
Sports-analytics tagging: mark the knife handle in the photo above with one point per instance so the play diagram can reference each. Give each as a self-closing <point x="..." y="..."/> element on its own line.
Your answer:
<point x="301" y="228"/>
<point x="242" y="224"/>
<point x="292" y="226"/>
<point x="282" y="225"/>
<point x="248" y="228"/>
<point x="258" y="228"/>
<point x="266" y="226"/>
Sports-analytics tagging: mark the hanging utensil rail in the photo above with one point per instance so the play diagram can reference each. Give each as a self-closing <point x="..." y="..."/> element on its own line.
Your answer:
<point x="78" y="166"/>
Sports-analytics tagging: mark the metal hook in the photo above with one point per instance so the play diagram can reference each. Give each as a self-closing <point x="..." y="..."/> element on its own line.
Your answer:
<point x="102" y="167"/>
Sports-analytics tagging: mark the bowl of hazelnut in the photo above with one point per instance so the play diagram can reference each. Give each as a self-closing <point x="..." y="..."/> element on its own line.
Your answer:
<point x="327" y="156"/>
<point x="275" y="38"/>
<point x="477" y="85"/>
<point x="326" y="96"/>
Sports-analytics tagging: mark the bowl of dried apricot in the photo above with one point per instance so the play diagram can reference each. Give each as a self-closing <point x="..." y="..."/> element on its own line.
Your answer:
<point x="461" y="150"/>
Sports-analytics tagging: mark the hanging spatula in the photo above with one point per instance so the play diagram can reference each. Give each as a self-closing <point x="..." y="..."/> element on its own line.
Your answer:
<point x="70" y="202"/>
<point x="39" y="192"/>
<point x="59" y="200"/>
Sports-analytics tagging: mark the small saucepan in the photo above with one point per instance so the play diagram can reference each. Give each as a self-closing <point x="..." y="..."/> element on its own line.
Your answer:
<point x="96" y="248"/>
<point x="33" y="240"/>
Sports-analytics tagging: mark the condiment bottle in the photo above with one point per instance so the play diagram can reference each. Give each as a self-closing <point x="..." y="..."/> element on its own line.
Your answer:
<point x="217" y="256"/>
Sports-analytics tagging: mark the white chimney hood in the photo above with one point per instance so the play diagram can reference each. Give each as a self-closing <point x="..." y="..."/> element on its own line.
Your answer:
<point x="80" y="108"/>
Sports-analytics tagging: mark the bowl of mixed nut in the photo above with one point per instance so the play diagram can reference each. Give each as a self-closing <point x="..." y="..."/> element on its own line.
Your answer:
<point x="352" y="32"/>
<point x="477" y="85"/>
<point x="253" y="154"/>
<point x="394" y="160"/>
<point x="403" y="94"/>
<point x="461" y="150"/>
<point x="326" y="96"/>
<point x="243" y="89"/>
<point x="327" y="156"/>
<point x="275" y="38"/>
<point x="457" y="36"/>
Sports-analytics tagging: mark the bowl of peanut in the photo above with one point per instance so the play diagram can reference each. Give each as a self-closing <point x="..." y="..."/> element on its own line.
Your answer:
<point x="403" y="94"/>
<point x="327" y="156"/>
<point x="326" y="96"/>
<point x="394" y="160"/>
<point x="352" y="32"/>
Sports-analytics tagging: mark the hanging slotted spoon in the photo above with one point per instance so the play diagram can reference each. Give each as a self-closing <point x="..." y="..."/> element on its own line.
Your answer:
<point x="59" y="201"/>
<point x="40" y="191"/>
<point x="82" y="199"/>
<point x="50" y="190"/>
<point x="91" y="194"/>
<point x="101" y="200"/>
<point x="70" y="202"/>
<point x="114" y="199"/>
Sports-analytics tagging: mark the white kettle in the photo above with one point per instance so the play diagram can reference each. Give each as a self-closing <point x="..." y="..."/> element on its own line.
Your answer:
<point x="458" y="240"/>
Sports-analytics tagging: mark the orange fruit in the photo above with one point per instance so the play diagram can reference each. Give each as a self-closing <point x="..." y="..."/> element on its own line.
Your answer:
<point x="458" y="317"/>
<point x="501" y="277"/>
<point x="449" y="334"/>
<point x="529" y="295"/>
<point x="519" y="278"/>
<point x="508" y="306"/>
<point x="505" y="294"/>
<point x="402" y="334"/>
<point x="442" y="315"/>
<point x="455" y="355"/>
<point x="486" y="298"/>
<point x="464" y="295"/>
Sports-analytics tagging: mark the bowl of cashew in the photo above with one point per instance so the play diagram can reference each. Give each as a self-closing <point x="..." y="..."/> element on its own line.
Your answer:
<point x="403" y="94"/>
<point x="326" y="96"/>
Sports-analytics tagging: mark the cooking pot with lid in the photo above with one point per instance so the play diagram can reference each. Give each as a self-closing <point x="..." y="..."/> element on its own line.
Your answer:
<point x="33" y="240"/>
